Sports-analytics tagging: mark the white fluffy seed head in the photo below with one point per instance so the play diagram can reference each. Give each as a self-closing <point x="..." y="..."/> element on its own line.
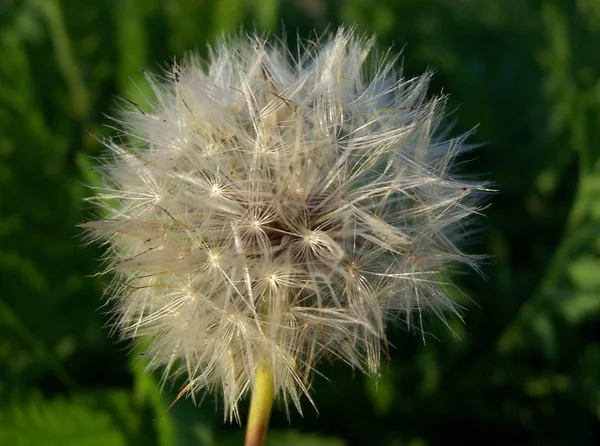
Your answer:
<point x="275" y="207"/>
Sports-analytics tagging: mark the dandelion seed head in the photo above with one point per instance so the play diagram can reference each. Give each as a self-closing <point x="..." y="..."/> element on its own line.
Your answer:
<point x="273" y="208"/>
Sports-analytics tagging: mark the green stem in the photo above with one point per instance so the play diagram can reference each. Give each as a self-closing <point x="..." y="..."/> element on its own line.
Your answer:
<point x="8" y="317"/>
<point x="65" y="57"/>
<point x="260" y="407"/>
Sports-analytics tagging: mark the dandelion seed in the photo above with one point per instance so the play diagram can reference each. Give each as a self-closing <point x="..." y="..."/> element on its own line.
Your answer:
<point x="272" y="209"/>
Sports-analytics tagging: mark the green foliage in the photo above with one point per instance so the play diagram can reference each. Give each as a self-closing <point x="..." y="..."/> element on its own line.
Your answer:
<point x="525" y="370"/>
<point x="298" y="439"/>
<point x="103" y="419"/>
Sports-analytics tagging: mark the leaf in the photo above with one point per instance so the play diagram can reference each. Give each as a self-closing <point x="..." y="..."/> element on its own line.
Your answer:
<point x="88" y="420"/>
<point x="147" y="392"/>
<point x="266" y="12"/>
<point x="585" y="273"/>
<point x="177" y="422"/>
<point x="381" y="393"/>
<point x="581" y="307"/>
<point x="293" y="438"/>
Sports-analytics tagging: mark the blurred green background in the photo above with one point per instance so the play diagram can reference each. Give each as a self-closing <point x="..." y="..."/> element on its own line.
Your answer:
<point x="526" y="369"/>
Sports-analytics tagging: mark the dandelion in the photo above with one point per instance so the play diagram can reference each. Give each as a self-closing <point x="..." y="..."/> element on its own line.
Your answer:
<point x="274" y="207"/>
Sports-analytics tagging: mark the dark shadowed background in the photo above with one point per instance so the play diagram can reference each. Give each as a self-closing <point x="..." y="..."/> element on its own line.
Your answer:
<point x="526" y="367"/>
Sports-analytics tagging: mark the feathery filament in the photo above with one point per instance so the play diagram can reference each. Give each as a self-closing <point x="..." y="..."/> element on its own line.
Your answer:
<point x="273" y="208"/>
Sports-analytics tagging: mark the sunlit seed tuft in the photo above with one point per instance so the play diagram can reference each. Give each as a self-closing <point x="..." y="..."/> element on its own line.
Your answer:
<point x="275" y="208"/>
